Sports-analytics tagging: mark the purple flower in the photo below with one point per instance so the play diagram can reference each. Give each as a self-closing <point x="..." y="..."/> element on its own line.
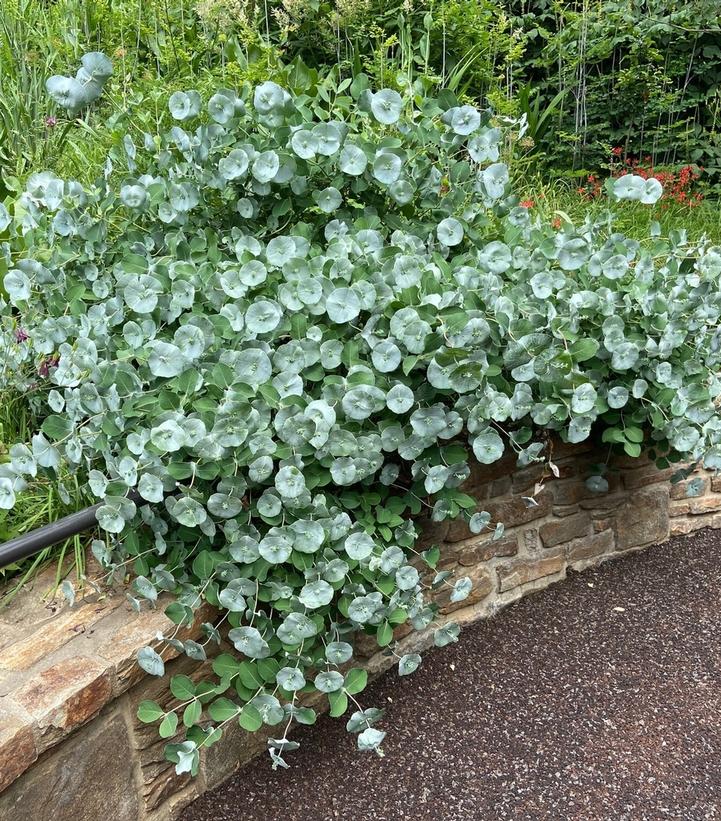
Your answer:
<point x="21" y="335"/>
<point x="46" y="364"/>
<point x="51" y="122"/>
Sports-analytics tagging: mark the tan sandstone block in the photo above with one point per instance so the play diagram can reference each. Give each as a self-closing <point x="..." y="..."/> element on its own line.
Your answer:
<point x="54" y="634"/>
<point x="65" y="696"/>
<point x="513" y="511"/>
<point x="709" y="504"/>
<point x="484" y="548"/>
<point x="523" y="571"/>
<point x="583" y="550"/>
<point x="564" y="530"/>
<point x="643" y="519"/>
<point x="17" y="745"/>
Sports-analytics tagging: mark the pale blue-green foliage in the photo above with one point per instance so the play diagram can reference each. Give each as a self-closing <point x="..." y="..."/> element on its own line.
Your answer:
<point x="80" y="91"/>
<point x="285" y="325"/>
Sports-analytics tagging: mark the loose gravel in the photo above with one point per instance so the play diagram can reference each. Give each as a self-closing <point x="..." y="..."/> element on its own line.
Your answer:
<point x="598" y="698"/>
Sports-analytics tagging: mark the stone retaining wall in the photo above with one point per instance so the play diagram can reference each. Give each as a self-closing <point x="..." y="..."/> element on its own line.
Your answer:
<point x="71" y="748"/>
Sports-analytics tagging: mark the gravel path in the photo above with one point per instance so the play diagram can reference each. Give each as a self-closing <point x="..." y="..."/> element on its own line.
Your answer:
<point x="599" y="698"/>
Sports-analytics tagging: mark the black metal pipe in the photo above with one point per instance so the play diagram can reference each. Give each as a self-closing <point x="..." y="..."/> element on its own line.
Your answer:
<point x="36" y="540"/>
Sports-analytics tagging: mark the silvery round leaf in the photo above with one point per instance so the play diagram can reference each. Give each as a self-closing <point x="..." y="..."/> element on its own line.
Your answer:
<point x="329" y="682"/>
<point x="224" y="506"/>
<point x="67" y="92"/>
<point x="386" y="356"/>
<point x="479" y="521"/>
<point x="151" y="488"/>
<point x="253" y="366"/>
<point x="267" y="97"/>
<point x="335" y="571"/>
<point x="249" y="642"/>
<point x="353" y="160"/>
<point x="328" y="200"/>
<point x="465" y="120"/>
<point x="343" y="305"/>
<point x="406" y="577"/>
<point x="615" y="267"/>
<point x="402" y="191"/>
<point x="97" y="65"/>
<point x="386" y="106"/>
<point x="316" y="594"/>
<point x="364" y="609"/>
<point x="308" y="536"/>
<point x="296" y="628"/>
<point x="133" y="334"/>
<point x="461" y="589"/>
<point x="573" y="254"/>
<point x="133" y="196"/>
<point x="263" y="316"/>
<point x="488" y="446"/>
<point x="280" y="250"/>
<point x="234" y="165"/>
<point x="290" y="678"/>
<point x="446" y="634"/>
<point x="151" y="661"/>
<point x="232" y="598"/>
<point x="5" y="218"/>
<point x="183" y="197"/>
<point x="305" y="144"/>
<point x="653" y="191"/>
<point x="449" y="231"/>
<point x="629" y="187"/>
<point x="253" y="273"/>
<point x="387" y="167"/>
<point x="362" y="401"/>
<point x="617" y="397"/>
<point x="328" y="137"/>
<point x="244" y="550"/>
<point x="338" y="652"/>
<point x="7" y="502"/>
<point x="584" y="398"/>
<point x="165" y="360"/>
<point x="359" y="546"/>
<point x="221" y="106"/>
<point x="343" y="471"/>
<point x="188" y="512"/>
<point x="494" y="180"/>
<point x="275" y="547"/>
<point x="269" y="504"/>
<point x="624" y="356"/>
<point x="289" y="482"/>
<point x="108" y="517"/>
<point x="483" y="146"/>
<point x="400" y="399"/>
<point x="18" y="286"/>
<point x="408" y="664"/>
<point x="265" y="166"/>
<point x="392" y="558"/>
<point x="260" y="469"/>
<point x="190" y="341"/>
<point x="184" y="105"/>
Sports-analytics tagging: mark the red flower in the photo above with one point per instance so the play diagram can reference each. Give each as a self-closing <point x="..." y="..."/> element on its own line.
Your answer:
<point x="617" y="151"/>
<point x="527" y="203"/>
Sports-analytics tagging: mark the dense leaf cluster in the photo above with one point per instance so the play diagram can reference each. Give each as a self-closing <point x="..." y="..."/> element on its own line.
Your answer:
<point x="289" y="326"/>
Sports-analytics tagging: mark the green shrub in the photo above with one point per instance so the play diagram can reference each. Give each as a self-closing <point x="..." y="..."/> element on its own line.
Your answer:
<point x="289" y="327"/>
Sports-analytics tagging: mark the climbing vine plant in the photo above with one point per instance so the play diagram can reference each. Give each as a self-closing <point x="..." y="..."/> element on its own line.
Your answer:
<point x="289" y="324"/>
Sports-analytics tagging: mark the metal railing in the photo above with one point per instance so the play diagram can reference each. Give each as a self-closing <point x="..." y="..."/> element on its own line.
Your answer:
<point x="36" y="540"/>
